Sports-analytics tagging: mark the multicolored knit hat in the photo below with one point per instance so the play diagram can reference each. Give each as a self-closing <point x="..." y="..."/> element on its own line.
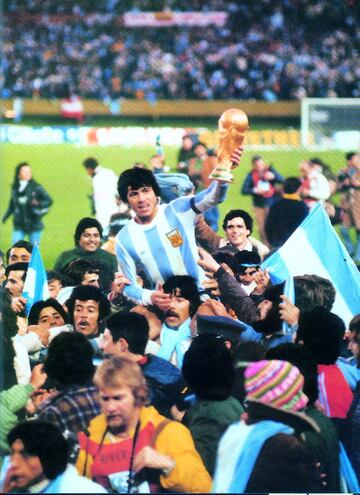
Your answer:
<point x="275" y="383"/>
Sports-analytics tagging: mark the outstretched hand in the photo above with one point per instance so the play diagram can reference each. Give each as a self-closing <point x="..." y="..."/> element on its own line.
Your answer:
<point x="160" y="299"/>
<point x="288" y="311"/>
<point x="206" y="261"/>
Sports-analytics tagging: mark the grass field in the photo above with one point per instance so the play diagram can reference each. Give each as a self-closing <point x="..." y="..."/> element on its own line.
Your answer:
<point x="59" y="169"/>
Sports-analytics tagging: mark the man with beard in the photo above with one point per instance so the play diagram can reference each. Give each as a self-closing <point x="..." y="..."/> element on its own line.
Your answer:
<point x="130" y="448"/>
<point x="175" y="333"/>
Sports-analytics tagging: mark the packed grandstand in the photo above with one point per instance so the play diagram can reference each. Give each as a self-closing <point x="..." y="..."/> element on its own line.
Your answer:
<point x="261" y="50"/>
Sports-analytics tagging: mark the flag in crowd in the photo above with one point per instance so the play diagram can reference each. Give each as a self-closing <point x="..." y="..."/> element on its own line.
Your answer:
<point x="315" y="248"/>
<point x="35" y="286"/>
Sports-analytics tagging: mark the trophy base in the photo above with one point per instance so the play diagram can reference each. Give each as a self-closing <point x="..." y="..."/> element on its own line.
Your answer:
<point x="222" y="175"/>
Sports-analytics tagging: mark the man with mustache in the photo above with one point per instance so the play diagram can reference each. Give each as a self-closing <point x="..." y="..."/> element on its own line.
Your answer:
<point x="175" y="333"/>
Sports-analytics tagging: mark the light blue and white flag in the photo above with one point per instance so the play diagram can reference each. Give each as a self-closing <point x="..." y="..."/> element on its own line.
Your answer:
<point x="315" y="248"/>
<point x="35" y="286"/>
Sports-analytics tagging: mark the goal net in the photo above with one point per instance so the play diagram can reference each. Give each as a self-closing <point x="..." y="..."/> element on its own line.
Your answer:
<point x="330" y="123"/>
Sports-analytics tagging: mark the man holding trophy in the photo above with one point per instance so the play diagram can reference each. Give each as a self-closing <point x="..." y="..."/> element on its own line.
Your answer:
<point x="160" y="240"/>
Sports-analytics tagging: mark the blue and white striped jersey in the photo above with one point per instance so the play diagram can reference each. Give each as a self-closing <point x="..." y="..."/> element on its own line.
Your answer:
<point x="167" y="245"/>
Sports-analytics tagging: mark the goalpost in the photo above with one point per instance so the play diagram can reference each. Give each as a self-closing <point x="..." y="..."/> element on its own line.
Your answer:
<point x="332" y="123"/>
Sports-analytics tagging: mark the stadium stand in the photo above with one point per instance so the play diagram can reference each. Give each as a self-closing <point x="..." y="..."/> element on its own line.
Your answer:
<point x="290" y="51"/>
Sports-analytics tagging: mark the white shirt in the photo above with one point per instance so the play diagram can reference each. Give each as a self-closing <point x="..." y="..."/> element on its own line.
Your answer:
<point x="105" y="189"/>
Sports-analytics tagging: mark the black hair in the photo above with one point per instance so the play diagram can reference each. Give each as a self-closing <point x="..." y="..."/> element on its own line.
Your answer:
<point x="76" y="269"/>
<point x="43" y="440"/>
<point x="300" y="357"/>
<point x="316" y="161"/>
<point x="239" y="213"/>
<point x="244" y="258"/>
<point x="69" y="360"/>
<point x="354" y="325"/>
<point x="349" y="156"/>
<point x="37" y="307"/>
<point x="54" y="275"/>
<point x="291" y="185"/>
<point x="255" y="158"/>
<point x="16" y="180"/>
<point x="188" y="289"/>
<point x="228" y="258"/>
<point x="17" y="267"/>
<point x="135" y="178"/>
<point x="130" y="326"/>
<point x="117" y="222"/>
<point x="272" y="322"/>
<point x="207" y="367"/>
<point x="312" y="291"/>
<point x="85" y="293"/>
<point x="90" y="163"/>
<point x="19" y="244"/>
<point x="321" y="333"/>
<point x="86" y="223"/>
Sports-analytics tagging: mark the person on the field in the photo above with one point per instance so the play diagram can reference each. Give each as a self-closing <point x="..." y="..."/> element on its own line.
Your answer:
<point x="29" y="202"/>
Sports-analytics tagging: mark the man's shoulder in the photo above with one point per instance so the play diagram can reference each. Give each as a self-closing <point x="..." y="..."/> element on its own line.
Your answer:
<point x="67" y="256"/>
<point x="157" y="365"/>
<point x="69" y="252"/>
<point x="164" y="427"/>
<point x="101" y="253"/>
<point x="66" y="399"/>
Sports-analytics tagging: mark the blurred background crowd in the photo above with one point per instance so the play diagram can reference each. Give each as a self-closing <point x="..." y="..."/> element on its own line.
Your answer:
<point x="266" y="50"/>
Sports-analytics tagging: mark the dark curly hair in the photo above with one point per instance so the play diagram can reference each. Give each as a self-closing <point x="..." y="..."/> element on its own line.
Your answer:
<point x="135" y="178"/>
<point x="239" y="213"/>
<point x="188" y="289"/>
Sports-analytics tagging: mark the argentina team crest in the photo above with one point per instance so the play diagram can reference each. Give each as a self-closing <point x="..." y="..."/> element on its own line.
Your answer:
<point x="175" y="238"/>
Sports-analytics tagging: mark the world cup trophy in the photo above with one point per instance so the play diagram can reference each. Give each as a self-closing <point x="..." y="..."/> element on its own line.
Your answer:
<point x="233" y="124"/>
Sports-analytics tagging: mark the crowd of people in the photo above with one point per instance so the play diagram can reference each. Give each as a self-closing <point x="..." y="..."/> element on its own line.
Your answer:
<point x="159" y="361"/>
<point x="294" y="50"/>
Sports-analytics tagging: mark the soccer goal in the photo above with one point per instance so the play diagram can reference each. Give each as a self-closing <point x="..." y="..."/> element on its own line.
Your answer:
<point x="330" y="123"/>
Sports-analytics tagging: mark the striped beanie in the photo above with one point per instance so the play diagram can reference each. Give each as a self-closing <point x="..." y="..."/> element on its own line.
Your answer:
<point x="275" y="383"/>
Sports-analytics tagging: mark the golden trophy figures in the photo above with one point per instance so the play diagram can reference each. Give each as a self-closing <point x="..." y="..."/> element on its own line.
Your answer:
<point x="233" y="124"/>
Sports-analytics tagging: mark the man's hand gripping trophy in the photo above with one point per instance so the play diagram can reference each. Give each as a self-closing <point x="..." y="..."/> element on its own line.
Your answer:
<point x="233" y="124"/>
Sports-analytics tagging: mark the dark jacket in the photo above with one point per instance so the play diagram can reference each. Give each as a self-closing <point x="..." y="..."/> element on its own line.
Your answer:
<point x="207" y="420"/>
<point x="261" y="201"/>
<point x="353" y="442"/>
<point x="235" y="296"/>
<point x="164" y="380"/>
<point x="283" y="219"/>
<point x="26" y="216"/>
<point x="285" y="463"/>
<point x="101" y="259"/>
<point x="325" y="448"/>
